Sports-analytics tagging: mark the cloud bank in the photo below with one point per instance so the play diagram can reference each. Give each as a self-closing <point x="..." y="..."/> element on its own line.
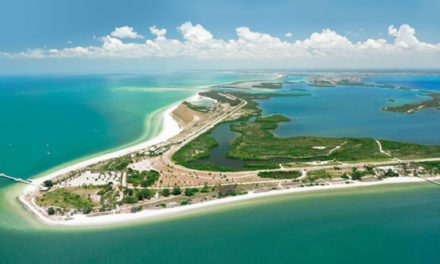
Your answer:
<point x="198" y="43"/>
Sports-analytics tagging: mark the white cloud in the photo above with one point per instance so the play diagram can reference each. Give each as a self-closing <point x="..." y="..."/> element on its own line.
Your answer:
<point x="160" y="33"/>
<point x="195" y="33"/>
<point x="288" y="35"/>
<point x="197" y="42"/>
<point x="125" y="32"/>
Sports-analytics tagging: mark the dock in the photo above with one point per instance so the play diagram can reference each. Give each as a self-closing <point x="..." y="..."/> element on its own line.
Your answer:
<point x="20" y="180"/>
<point x="429" y="180"/>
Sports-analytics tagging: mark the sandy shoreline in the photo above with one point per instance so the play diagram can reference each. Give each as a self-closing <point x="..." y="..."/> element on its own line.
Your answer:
<point x="169" y="129"/>
<point x="83" y="220"/>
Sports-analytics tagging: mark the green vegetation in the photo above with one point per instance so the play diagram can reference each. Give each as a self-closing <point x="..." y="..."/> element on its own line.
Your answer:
<point x="108" y="197"/>
<point x="434" y="102"/>
<point x="258" y="143"/>
<point x="205" y="189"/>
<point x="409" y="150"/>
<point x="266" y="85"/>
<point x="322" y="83"/>
<point x="433" y="167"/>
<point x="48" y="183"/>
<point x="198" y="148"/>
<point x="280" y="174"/>
<point x="317" y="174"/>
<point x="132" y="196"/>
<point x="65" y="199"/>
<point x="116" y="164"/>
<point x="50" y="211"/>
<point x="262" y="166"/>
<point x="209" y="167"/>
<point x="143" y="178"/>
<point x="166" y="192"/>
<point x="198" y="108"/>
<point x="177" y="190"/>
<point x="390" y="173"/>
<point x="191" y="191"/>
<point x="357" y="174"/>
<point x="227" y="190"/>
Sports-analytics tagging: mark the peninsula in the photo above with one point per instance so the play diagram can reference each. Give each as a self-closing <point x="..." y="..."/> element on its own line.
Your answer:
<point x="170" y="173"/>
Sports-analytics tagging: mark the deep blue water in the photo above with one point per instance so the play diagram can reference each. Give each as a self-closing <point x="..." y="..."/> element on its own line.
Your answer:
<point x="356" y="112"/>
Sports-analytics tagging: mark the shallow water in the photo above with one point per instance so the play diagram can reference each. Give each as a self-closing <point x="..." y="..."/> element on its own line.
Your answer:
<point x="381" y="224"/>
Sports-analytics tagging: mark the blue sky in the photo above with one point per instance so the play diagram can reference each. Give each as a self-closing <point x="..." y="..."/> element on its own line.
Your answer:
<point x="51" y="24"/>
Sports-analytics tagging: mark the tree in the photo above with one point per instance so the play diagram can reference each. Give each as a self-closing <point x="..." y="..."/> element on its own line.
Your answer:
<point x="176" y="190"/>
<point x="87" y="209"/>
<point x="205" y="189"/>
<point x="51" y="211"/>
<point x="166" y="192"/>
<point x="188" y="192"/>
<point x="48" y="183"/>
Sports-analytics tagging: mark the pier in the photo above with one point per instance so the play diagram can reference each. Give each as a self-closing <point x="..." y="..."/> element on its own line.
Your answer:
<point x="428" y="180"/>
<point x="2" y="175"/>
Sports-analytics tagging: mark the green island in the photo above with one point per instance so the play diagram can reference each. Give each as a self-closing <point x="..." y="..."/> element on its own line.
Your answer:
<point x="333" y="82"/>
<point x="434" y="102"/>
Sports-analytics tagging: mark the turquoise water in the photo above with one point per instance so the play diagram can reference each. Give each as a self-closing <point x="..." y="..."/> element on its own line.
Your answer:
<point x="50" y="120"/>
<point x="384" y="224"/>
<point x="72" y="117"/>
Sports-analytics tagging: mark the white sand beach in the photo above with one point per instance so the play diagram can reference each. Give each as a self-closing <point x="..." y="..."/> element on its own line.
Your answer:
<point x="83" y="220"/>
<point x="170" y="128"/>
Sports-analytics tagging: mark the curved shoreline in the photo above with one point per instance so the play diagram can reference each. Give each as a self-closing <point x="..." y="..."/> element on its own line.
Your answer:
<point x="168" y="128"/>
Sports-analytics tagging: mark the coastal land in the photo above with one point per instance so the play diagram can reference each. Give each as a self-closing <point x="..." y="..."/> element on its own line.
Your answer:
<point x="165" y="175"/>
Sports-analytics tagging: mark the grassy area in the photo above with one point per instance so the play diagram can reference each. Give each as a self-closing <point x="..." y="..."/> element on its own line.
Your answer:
<point x="142" y="178"/>
<point x="198" y="148"/>
<point x="433" y="167"/>
<point x="317" y="175"/>
<point x="262" y="166"/>
<point x="409" y="150"/>
<point x="198" y="108"/>
<point x="434" y="102"/>
<point x="116" y="164"/>
<point x="108" y="197"/>
<point x="293" y="174"/>
<point x="66" y="199"/>
<point x="257" y="143"/>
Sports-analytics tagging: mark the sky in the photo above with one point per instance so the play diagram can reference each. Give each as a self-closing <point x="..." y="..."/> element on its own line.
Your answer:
<point x="132" y="35"/>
